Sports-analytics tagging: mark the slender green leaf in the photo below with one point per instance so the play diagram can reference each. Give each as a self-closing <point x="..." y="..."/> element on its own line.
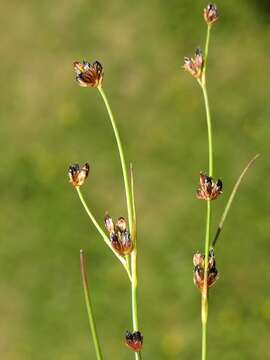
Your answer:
<point x="231" y="198"/>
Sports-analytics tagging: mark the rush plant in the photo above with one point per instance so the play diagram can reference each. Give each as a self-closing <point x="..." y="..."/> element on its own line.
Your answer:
<point x="121" y="235"/>
<point x="205" y="272"/>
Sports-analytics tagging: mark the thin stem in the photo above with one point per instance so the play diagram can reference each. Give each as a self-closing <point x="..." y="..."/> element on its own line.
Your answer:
<point x="89" y="307"/>
<point x="121" y="154"/>
<point x="131" y="217"/>
<point x="231" y="198"/>
<point x="206" y="49"/>
<point x="204" y="327"/>
<point x="134" y="235"/>
<point x="134" y="285"/>
<point x="127" y="257"/>
<point x="204" y="310"/>
<point x="209" y="129"/>
<point x="204" y="313"/>
<point x="134" y="288"/>
<point x="94" y="221"/>
<point x="207" y="231"/>
<point x="102" y="233"/>
<point x="134" y="295"/>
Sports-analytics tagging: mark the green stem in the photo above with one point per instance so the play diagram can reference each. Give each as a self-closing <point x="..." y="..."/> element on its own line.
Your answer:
<point x="204" y="313"/>
<point x="206" y="49"/>
<point x="102" y="233"/>
<point x="138" y="356"/>
<point x="89" y="307"/>
<point x="133" y="231"/>
<point x="204" y="326"/>
<point x="121" y="154"/>
<point x="209" y="129"/>
<point x="134" y="287"/>
<point x="134" y="295"/>
<point x="204" y="310"/>
<point x="131" y="218"/>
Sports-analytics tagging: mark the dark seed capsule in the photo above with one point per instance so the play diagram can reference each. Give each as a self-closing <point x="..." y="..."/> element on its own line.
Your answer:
<point x="134" y="341"/>
<point x="126" y="243"/>
<point x="211" y="14"/>
<point x="78" y="175"/>
<point x="199" y="270"/>
<point x="87" y="74"/>
<point x="219" y="184"/>
<point x="116" y="244"/>
<point x="208" y="190"/>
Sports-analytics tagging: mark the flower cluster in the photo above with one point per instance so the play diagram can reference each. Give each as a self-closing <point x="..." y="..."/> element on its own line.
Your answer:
<point x="210" y="14"/>
<point x="119" y="235"/>
<point x="78" y="174"/>
<point x="134" y="341"/>
<point x="208" y="190"/>
<point x="199" y="266"/>
<point x="195" y="65"/>
<point x="88" y="74"/>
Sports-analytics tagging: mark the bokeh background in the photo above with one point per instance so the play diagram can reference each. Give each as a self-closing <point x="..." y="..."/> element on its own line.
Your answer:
<point x="48" y="122"/>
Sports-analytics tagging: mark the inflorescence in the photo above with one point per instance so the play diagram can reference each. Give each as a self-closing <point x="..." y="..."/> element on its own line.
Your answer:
<point x="195" y="65"/>
<point x="134" y="341"/>
<point x="208" y="189"/>
<point x="78" y="174"/>
<point x="210" y="14"/>
<point x="199" y="267"/>
<point x="88" y="74"/>
<point x="119" y="235"/>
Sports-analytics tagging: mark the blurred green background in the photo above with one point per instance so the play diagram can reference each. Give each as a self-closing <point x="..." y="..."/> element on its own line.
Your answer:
<point x="48" y="122"/>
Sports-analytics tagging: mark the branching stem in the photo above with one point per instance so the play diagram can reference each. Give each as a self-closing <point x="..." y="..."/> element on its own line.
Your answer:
<point x="102" y="233"/>
<point x="131" y="218"/>
<point x="121" y="154"/>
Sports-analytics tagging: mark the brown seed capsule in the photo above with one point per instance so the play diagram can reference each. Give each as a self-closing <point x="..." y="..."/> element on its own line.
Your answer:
<point x="119" y="235"/>
<point x="198" y="274"/>
<point x="134" y="341"/>
<point x="121" y="224"/>
<point x="208" y="189"/>
<point x="210" y="14"/>
<point x="78" y="175"/>
<point x="194" y="65"/>
<point x="116" y="244"/>
<point x="88" y="74"/>
<point x="198" y="260"/>
<point x="127" y="243"/>
<point x="109" y="224"/>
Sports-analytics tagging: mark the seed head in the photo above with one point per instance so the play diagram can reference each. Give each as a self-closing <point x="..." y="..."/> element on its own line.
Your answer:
<point x="78" y="174"/>
<point x="210" y="14"/>
<point x="134" y="341"/>
<point x="88" y="74"/>
<point x="198" y="274"/>
<point x="194" y="65"/>
<point x="119" y="235"/>
<point x="208" y="189"/>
